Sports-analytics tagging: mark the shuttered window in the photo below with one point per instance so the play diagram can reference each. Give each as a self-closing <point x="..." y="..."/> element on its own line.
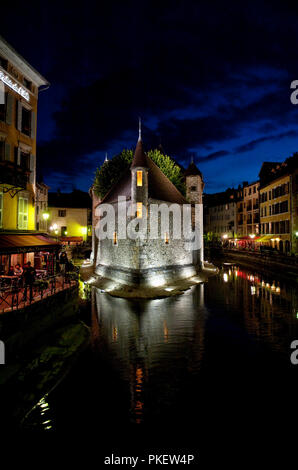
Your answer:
<point x="23" y="213"/>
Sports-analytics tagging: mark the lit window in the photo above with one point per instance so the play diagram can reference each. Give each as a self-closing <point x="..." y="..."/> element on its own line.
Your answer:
<point x="139" y="210"/>
<point x="139" y="178"/>
<point x="115" y="238"/>
<point x="166" y="238"/>
<point x="23" y="213"/>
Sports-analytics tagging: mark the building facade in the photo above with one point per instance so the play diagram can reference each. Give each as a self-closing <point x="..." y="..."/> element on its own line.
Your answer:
<point x="220" y="213"/>
<point x="278" y="204"/>
<point x="20" y="84"/>
<point x="70" y="216"/>
<point x="250" y="213"/>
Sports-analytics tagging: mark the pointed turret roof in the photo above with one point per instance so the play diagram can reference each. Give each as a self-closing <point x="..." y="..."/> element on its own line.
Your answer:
<point x="139" y="158"/>
<point x="192" y="170"/>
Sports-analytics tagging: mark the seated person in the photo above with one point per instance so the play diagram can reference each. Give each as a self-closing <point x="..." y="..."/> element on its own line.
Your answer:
<point x="18" y="270"/>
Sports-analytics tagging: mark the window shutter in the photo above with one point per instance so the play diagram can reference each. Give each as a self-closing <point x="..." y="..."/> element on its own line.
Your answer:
<point x="31" y="177"/>
<point x="33" y="124"/>
<point x="19" y="116"/>
<point x="20" y="212"/>
<point x="19" y="157"/>
<point x="9" y="107"/>
<point x="7" y="151"/>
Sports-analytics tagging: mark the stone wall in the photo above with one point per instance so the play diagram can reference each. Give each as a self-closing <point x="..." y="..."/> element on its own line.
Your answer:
<point x="151" y="260"/>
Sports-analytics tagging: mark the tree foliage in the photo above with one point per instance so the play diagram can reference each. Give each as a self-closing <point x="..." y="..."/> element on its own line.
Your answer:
<point x="112" y="170"/>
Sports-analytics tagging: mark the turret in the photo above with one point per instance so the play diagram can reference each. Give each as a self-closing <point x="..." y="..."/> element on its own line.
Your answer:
<point x="194" y="184"/>
<point x="139" y="174"/>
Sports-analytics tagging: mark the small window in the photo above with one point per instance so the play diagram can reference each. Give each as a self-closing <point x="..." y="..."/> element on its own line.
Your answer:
<point x="139" y="210"/>
<point x="26" y="121"/>
<point x="193" y="188"/>
<point x="27" y="83"/>
<point x="62" y="213"/>
<point x="115" y="238"/>
<point x="139" y="178"/>
<point x="3" y="63"/>
<point x="166" y="238"/>
<point x="24" y="160"/>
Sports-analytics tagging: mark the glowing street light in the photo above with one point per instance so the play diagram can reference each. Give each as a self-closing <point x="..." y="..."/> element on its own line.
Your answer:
<point x="225" y="236"/>
<point x="45" y="215"/>
<point x="252" y="235"/>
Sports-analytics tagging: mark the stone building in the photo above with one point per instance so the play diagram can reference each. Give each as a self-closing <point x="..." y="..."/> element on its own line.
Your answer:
<point x="145" y="260"/>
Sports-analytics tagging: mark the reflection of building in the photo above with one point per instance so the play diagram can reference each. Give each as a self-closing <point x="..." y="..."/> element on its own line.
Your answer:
<point x="162" y="337"/>
<point x="70" y="216"/>
<point x="150" y="254"/>
<point x="278" y="204"/>
<point x="42" y="207"/>
<point x="18" y="116"/>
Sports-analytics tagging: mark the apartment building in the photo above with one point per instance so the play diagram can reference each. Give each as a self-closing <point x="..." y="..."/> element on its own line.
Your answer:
<point x="19" y="87"/>
<point x="278" y="204"/>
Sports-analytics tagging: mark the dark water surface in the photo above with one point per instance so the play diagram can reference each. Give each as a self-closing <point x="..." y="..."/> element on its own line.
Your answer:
<point x="213" y="361"/>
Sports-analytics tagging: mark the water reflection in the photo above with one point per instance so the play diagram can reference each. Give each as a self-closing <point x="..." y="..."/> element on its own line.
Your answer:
<point x="149" y="341"/>
<point x="185" y="358"/>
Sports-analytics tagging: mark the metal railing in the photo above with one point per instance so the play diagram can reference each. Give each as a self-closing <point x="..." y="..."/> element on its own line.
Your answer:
<point x="15" y="294"/>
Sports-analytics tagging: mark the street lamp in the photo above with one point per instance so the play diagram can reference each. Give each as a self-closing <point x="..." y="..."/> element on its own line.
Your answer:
<point x="45" y="216"/>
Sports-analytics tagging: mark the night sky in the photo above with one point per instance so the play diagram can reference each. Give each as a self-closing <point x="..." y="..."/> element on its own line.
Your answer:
<point x="209" y="79"/>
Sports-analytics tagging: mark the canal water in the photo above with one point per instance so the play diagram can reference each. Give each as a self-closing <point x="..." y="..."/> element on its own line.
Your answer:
<point x="218" y="354"/>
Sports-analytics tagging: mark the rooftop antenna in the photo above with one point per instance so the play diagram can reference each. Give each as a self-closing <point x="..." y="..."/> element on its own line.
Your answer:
<point x="191" y="160"/>
<point x="140" y="130"/>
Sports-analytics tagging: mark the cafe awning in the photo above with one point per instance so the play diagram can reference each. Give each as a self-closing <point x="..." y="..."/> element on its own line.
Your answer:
<point x="265" y="238"/>
<point x="25" y="243"/>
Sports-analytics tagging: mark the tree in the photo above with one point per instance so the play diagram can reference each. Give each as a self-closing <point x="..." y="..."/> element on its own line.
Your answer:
<point x="112" y="170"/>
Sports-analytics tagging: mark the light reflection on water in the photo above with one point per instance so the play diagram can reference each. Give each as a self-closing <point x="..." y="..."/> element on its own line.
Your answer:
<point x="165" y="357"/>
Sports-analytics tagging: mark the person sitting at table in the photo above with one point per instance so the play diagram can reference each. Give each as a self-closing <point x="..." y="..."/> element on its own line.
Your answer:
<point x="10" y="271"/>
<point x="18" y="270"/>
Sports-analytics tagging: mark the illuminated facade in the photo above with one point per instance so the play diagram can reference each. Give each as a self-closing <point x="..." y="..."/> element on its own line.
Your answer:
<point x="70" y="216"/>
<point x="20" y="84"/>
<point x="150" y="260"/>
<point x="278" y="205"/>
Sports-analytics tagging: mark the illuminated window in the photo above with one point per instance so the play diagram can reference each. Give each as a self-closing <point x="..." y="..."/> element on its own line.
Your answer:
<point x="139" y="178"/>
<point x="139" y="210"/>
<point x="23" y="213"/>
<point x="166" y="238"/>
<point x="115" y="238"/>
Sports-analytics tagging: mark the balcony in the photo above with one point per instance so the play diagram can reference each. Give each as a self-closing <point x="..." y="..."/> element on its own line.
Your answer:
<point x="13" y="175"/>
